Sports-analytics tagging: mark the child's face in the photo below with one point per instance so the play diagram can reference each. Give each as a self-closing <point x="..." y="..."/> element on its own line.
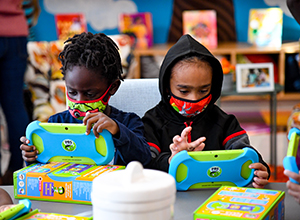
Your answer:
<point x="191" y="81"/>
<point x="84" y="85"/>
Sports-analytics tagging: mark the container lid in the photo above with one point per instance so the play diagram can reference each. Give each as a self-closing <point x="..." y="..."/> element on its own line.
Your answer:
<point x="134" y="184"/>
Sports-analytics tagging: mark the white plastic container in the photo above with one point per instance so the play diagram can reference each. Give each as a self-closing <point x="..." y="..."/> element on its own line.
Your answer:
<point x="133" y="194"/>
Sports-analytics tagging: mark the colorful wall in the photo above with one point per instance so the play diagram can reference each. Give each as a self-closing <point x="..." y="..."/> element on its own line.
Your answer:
<point x="102" y="16"/>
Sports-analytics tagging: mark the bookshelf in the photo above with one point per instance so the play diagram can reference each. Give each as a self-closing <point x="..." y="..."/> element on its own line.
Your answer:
<point x="231" y="50"/>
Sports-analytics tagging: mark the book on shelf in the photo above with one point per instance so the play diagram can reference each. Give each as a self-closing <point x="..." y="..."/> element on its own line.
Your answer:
<point x="67" y="25"/>
<point x="265" y="27"/>
<point x="202" y="25"/>
<point x="140" y="26"/>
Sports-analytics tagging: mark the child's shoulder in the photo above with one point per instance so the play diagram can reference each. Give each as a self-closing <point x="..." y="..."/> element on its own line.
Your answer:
<point x="63" y="117"/>
<point x="122" y="115"/>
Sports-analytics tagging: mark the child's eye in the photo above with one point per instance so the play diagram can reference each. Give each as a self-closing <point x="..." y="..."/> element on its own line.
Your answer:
<point x="90" y="95"/>
<point x="184" y="91"/>
<point x="204" y="91"/>
<point x="72" y="93"/>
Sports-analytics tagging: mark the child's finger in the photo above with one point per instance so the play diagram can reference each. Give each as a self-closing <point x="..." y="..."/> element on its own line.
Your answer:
<point x="291" y="174"/>
<point x="260" y="183"/>
<point x="29" y="154"/>
<point x="255" y="185"/>
<point x="98" y="128"/>
<point x="185" y="132"/>
<point x="293" y="186"/>
<point x="29" y="157"/>
<point x="177" y="139"/>
<point x="258" y="166"/>
<point x="197" y="144"/>
<point x="89" y="124"/>
<point x="261" y="174"/>
<point x="200" y="147"/>
<point x="86" y="117"/>
<point x="24" y="140"/>
<point x="27" y="148"/>
<point x="173" y="147"/>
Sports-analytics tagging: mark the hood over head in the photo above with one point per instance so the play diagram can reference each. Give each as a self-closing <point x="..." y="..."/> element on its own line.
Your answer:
<point x="187" y="45"/>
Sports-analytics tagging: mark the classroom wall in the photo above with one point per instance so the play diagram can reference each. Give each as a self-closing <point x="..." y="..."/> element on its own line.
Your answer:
<point x="102" y="16"/>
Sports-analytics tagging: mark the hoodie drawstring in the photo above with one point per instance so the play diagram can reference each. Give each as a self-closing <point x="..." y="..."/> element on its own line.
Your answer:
<point x="189" y="135"/>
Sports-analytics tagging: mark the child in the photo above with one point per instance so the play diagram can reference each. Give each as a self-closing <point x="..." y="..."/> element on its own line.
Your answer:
<point x="92" y="69"/>
<point x="294" y="119"/>
<point x="190" y="82"/>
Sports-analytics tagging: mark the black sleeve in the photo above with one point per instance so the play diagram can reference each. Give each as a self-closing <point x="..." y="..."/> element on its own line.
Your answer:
<point x="160" y="154"/>
<point x="237" y="138"/>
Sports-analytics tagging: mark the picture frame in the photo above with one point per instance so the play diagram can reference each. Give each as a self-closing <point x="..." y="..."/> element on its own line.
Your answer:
<point x="254" y="77"/>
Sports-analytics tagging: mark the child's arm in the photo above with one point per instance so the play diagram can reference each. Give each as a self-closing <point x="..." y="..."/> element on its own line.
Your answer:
<point x="29" y="153"/>
<point x="127" y="130"/>
<point x="181" y="143"/>
<point x="237" y="138"/>
<point x="261" y="172"/>
<point x="293" y="188"/>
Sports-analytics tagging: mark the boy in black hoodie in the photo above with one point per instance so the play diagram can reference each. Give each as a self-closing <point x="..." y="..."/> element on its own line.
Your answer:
<point x="190" y="82"/>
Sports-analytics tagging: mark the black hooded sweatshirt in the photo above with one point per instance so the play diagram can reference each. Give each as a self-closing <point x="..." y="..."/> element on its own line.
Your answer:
<point x="162" y="123"/>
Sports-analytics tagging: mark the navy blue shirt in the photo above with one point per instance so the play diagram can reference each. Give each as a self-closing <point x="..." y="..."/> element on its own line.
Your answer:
<point x="130" y="144"/>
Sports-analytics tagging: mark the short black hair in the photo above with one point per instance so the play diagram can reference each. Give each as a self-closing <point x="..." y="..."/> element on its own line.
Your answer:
<point x="96" y="52"/>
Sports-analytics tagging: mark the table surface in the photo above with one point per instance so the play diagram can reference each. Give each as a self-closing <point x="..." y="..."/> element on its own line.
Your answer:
<point x="186" y="203"/>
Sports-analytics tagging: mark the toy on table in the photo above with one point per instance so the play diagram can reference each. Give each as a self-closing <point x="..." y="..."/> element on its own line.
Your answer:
<point x="13" y="213"/>
<point x="289" y="162"/>
<point x="242" y="203"/>
<point x="67" y="142"/>
<point x="212" y="169"/>
<point x="36" y="215"/>
<point x="59" y="181"/>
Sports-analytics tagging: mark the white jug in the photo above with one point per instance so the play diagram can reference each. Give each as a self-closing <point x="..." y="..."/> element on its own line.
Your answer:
<point x="133" y="194"/>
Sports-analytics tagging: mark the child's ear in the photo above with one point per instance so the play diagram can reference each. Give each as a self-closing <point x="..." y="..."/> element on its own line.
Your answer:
<point x="114" y="87"/>
<point x="168" y="92"/>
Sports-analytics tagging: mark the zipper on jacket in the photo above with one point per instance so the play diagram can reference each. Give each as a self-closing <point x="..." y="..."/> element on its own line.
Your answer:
<point x="189" y="134"/>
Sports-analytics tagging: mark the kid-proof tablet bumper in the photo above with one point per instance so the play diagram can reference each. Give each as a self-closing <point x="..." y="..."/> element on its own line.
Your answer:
<point x="66" y="142"/>
<point x="289" y="162"/>
<point x="211" y="169"/>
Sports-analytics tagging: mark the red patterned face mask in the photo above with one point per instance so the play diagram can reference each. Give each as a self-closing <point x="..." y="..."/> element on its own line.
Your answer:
<point x="189" y="108"/>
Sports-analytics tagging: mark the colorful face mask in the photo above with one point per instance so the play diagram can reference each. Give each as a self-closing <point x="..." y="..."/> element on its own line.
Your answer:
<point x="189" y="108"/>
<point x="78" y="109"/>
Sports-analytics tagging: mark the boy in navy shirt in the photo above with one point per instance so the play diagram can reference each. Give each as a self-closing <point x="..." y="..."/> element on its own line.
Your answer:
<point x="91" y="66"/>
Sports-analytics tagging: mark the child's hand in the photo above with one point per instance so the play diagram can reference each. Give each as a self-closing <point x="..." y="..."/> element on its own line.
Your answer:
<point x="293" y="188"/>
<point x="29" y="153"/>
<point x="261" y="173"/>
<point x="180" y="143"/>
<point x="100" y="121"/>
